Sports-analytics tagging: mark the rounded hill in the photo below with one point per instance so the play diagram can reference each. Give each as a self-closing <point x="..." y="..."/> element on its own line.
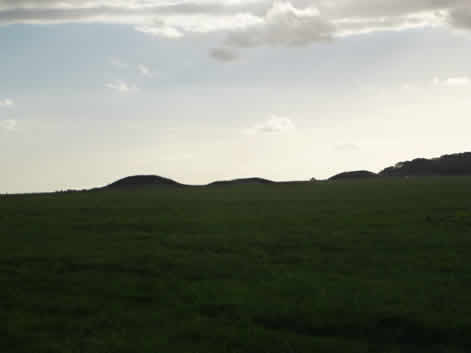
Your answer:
<point x="242" y="181"/>
<point x="143" y="181"/>
<point x="360" y="174"/>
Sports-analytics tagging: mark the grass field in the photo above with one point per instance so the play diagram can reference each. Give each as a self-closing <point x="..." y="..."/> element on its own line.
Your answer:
<point x="367" y="266"/>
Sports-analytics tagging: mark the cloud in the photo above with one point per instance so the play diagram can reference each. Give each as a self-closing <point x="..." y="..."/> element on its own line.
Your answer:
<point x="458" y="81"/>
<point x="205" y="15"/>
<point x="384" y="8"/>
<point x="248" y="23"/>
<point x="9" y="125"/>
<point x="120" y="86"/>
<point x="274" y="125"/>
<point x="6" y="103"/>
<point x="284" y="25"/>
<point x="223" y="54"/>
<point x="177" y="26"/>
<point x="144" y="70"/>
<point x="356" y="26"/>
<point x="161" y="29"/>
<point x="461" y="17"/>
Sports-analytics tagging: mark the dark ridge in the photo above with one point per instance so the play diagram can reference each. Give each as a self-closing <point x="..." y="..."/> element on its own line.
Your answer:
<point x="242" y="181"/>
<point x="142" y="181"/>
<point x="458" y="164"/>
<point x="447" y="165"/>
<point x="360" y="174"/>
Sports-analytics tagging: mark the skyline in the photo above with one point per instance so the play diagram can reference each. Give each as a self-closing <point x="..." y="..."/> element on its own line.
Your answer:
<point x="93" y="91"/>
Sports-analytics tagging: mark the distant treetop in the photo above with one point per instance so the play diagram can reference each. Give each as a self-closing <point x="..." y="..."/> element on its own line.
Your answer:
<point x="451" y="164"/>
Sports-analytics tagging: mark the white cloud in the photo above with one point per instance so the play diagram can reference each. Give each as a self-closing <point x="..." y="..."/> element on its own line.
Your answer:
<point x="458" y="81"/>
<point x="357" y="26"/>
<point x="160" y="29"/>
<point x="223" y="54"/>
<point x="207" y="15"/>
<point x="120" y="86"/>
<point x="385" y="8"/>
<point x="9" y="125"/>
<point x="6" y="103"/>
<point x="273" y="125"/>
<point x="144" y="70"/>
<point x="249" y="23"/>
<point x="176" y="26"/>
<point x="286" y="25"/>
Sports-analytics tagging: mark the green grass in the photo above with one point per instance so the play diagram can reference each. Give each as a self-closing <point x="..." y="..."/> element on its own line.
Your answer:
<point x="373" y="266"/>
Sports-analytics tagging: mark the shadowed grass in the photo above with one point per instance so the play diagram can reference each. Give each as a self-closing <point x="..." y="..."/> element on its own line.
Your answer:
<point x="374" y="266"/>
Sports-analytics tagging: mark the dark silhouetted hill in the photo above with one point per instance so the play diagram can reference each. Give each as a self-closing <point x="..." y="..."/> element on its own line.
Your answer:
<point x="242" y="181"/>
<point x="447" y="165"/>
<point x="360" y="174"/>
<point x="143" y="181"/>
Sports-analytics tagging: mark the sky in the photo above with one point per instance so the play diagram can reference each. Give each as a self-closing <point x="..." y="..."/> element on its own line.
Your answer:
<point x="201" y="90"/>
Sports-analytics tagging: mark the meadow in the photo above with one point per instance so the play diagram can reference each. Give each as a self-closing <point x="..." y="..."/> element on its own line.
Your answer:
<point x="377" y="265"/>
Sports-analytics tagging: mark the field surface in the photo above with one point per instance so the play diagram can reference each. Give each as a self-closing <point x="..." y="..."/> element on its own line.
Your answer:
<point x="366" y="266"/>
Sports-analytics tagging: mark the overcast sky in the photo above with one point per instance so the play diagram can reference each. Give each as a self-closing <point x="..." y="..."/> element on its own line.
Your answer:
<point x="200" y="90"/>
